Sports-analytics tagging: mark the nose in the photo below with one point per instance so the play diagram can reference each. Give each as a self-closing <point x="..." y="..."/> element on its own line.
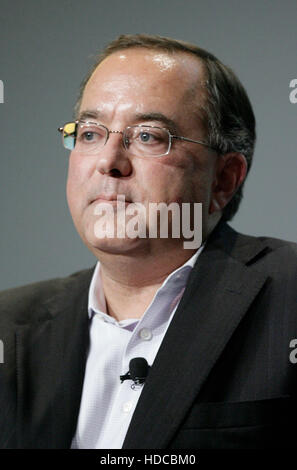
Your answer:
<point x="113" y="159"/>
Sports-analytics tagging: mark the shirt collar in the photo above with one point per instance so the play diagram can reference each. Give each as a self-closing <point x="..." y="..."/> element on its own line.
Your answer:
<point x="96" y="300"/>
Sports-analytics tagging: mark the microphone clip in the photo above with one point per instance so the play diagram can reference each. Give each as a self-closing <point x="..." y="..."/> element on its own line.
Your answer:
<point x="138" y="371"/>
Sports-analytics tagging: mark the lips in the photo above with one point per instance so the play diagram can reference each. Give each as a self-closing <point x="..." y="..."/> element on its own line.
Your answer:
<point x="111" y="198"/>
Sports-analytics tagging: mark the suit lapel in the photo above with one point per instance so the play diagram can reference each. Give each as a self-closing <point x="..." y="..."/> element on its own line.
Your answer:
<point x="219" y="292"/>
<point x="50" y="363"/>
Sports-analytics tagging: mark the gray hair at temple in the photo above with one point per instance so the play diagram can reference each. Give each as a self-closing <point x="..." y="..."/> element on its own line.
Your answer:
<point x="228" y="115"/>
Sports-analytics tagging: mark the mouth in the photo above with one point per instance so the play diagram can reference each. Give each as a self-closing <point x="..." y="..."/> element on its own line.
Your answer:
<point x="112" y="199"/>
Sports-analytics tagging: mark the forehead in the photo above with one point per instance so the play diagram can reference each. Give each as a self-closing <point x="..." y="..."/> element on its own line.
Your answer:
<point x="141" y="78"/>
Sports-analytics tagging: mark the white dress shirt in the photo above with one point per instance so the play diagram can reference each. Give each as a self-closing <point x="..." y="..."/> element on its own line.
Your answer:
<point x="107" y="405"/>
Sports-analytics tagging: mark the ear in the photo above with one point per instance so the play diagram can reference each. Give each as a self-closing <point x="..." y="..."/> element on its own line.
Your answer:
<point x="231" y="170"/>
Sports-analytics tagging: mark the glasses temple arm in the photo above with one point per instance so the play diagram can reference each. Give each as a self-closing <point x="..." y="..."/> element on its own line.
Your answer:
<point x="194" y="141"/>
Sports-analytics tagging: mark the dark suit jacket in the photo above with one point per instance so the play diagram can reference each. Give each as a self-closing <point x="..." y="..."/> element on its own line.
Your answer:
<point x="222" y="377"/>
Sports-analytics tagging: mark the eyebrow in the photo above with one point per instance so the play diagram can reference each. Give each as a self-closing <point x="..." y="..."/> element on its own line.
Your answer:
<point x="90" y="114"/>
<point x="154" y="116"/>
<point x="151" y="116"/>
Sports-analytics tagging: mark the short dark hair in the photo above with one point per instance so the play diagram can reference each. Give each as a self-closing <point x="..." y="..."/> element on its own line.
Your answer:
<point x="228" y="115"/>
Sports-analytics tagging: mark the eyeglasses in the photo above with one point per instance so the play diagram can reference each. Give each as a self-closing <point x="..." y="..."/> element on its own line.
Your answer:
<point x="145" y="141"/>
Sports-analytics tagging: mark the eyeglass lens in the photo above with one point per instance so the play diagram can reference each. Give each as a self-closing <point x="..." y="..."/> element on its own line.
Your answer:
<point x="139" y="140"/>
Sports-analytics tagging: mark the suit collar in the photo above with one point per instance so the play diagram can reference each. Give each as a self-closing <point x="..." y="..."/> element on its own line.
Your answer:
<point x="244" y="248"/>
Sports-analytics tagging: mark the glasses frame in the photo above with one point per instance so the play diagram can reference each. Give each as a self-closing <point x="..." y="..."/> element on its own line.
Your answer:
<point x="123" y="132"/>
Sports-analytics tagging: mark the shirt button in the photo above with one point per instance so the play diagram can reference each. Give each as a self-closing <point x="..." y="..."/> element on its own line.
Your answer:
<point x="145" y="334"/>
<point x="127" y="407"/>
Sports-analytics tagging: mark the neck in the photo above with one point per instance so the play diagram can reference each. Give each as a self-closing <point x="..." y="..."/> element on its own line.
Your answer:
<point x="130" y="281"/>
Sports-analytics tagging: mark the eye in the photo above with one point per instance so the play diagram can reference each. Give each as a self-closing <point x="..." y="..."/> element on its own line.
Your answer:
<point x="88" y="136"/>
<point x="150" y="137"/>
<point x="145" y="137"/>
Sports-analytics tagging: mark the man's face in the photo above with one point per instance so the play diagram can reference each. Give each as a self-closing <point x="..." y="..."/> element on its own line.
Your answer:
<point x="132" y="87"/>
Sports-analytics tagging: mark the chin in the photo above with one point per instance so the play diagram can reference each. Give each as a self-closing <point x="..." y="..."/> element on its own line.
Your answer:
<point x="114" y="245"/>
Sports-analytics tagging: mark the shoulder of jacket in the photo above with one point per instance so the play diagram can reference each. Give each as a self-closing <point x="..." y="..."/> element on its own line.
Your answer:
<point x="20" y="301"/>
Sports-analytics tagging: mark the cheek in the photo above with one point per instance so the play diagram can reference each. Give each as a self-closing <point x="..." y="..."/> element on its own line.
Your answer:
<point x="162" y="183"/>
<point x="169" y="176"/>
<point x="78" y="168"/>
<point x="77" y="174"/>
<point x="183" y="178"/>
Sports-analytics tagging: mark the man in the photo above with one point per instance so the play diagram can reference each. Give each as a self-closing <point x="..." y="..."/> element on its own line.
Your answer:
<point x="157" y="121"/>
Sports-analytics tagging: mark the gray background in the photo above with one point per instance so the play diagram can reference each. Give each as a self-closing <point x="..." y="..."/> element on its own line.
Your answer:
<point x="45" y="50"/>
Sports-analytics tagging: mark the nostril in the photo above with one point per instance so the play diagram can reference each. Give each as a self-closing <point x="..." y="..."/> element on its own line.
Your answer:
<point x="115" y="172"/>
